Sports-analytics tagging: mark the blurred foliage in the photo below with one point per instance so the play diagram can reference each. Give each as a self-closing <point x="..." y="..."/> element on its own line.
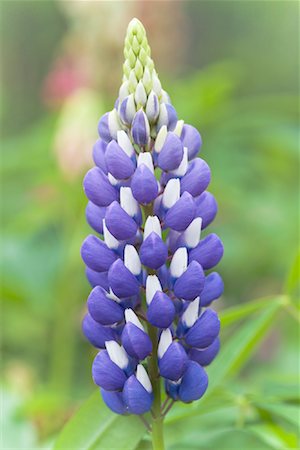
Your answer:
<point x="238" y="86"/>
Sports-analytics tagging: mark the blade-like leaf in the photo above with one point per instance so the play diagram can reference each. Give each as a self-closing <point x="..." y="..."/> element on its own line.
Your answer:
<point x="237" y="313"/>
<point x="292" y="284"/>
<point x="290" y="413"/>
<point x="93" y="426"/>
<point x="274" y="436"/>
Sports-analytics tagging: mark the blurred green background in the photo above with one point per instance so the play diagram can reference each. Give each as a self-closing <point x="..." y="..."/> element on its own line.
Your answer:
<point x="232" y="70"/>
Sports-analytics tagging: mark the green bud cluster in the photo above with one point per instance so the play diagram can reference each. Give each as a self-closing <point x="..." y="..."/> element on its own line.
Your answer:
<point x="138" y="68"/>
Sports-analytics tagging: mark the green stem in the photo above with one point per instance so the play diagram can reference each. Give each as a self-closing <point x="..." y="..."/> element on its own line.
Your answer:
<point x="157" y="424"/>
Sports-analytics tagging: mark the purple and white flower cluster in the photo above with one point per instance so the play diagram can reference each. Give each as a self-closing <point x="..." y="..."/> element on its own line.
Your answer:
<point x="148" y="268"/>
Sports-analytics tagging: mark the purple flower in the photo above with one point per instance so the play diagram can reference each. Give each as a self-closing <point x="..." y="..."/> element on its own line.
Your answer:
<point x="148" y="202"/>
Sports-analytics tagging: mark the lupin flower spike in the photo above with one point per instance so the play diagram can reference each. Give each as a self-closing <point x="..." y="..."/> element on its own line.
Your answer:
<point x="147" y="312"/>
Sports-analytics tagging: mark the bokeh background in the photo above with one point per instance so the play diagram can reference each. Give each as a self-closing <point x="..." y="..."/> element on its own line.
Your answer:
<point x="232" y="70"/>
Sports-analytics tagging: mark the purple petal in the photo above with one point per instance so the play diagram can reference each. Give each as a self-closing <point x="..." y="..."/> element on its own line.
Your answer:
<point x="114" y="401"/>
<point x="172" y="389"/>
<point x="191" y="282"/>
<point x="172" y="116"/>
<point x="144" y="185"/>
<point x="136" y="342"/>
<point x="121" y="280"/>
<point x="119" y="223"/>
<point x="103" y="128"/>
<point x="136" y="398"/>
<point x="194" y="383"/>
<point x="153" y="251"/>
<point x="127" y="109"/>
<point x="208" y="252"/>
<point x="204" y="331"/>
<point x="140" y="128"/>
<point x="180" y="215"/>
<point x="167" y="116"/>
<point x="98" y="189"/>
<point x="98" y="155"/>
<point x="106" y="373"/>
<point x="103" y="309"/>
<point x="163" y="275"/>
<point x="197" y="178"/>
<point x="206" y="208"/>
<point x="191" y="139"/>
<point x="161" y="311"/>
<point x="118" y="163"/>
<point x="205" y="356"/>
<point x="97" y="278"/>
<point x="213" y="289"/>
<point x="94" y="216"/>
<point x="171" y="153"/>
<point x="173" y="363"/>
<point x="97" y="334"/>
<point x="96" y="255"/>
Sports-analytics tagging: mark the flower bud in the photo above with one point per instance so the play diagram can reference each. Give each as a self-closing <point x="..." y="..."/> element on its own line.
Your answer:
<point x="137" y="392"/>
<point x="191" y="139"/>
<point x="122" y="281"/>
<point x="193" y="384"/>
<point x="119" y="223"/>
<point x="114" y="401"/>
<point x="208" y="252"/>
<point x="206" y="208"/>
<point x="127" y="109"/>
<point x="180" y="215"/>
<point x="152" y="107"/>
<point x="190" y="284"/>
<point x="167" y="116"/>
<point x="98" y="155"/>
<point x="143" y="184"/>
<point x="204" y="331"/>
<point x="96" y="255"/>
<point x="161" y="311"/>
<point x="140" y="95"/>
<point x="94" y="216"/>
<point x="117" y="161"/>
<point x="197" y="178"/>
<point x="134" y="338"/>
<point x="106" y="373"/>
<point x="102" y="308"/>
<point x="97" y="278"/>
<point x="213" y="288"/>
<point x="172" y="358"/>
<point x="98" y="189"/>
<point x="96" y="333"/>
<point x="171" y="153"/>
<point x="179" y="263"/>
<point x="191" y="236"/>
<point x="109" y="125"/>
<point x="205" y="356"/>
<point x="140" y="128"/>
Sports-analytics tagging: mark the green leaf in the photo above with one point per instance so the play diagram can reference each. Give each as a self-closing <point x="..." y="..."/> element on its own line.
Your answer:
<point x="274" y="436"/>
<point x="292" y="284"/>
<point x="238" y="350"/>
<point x="94" y="427"/>
<point x="236" y="313"/>
<point x="290" y="413"/>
